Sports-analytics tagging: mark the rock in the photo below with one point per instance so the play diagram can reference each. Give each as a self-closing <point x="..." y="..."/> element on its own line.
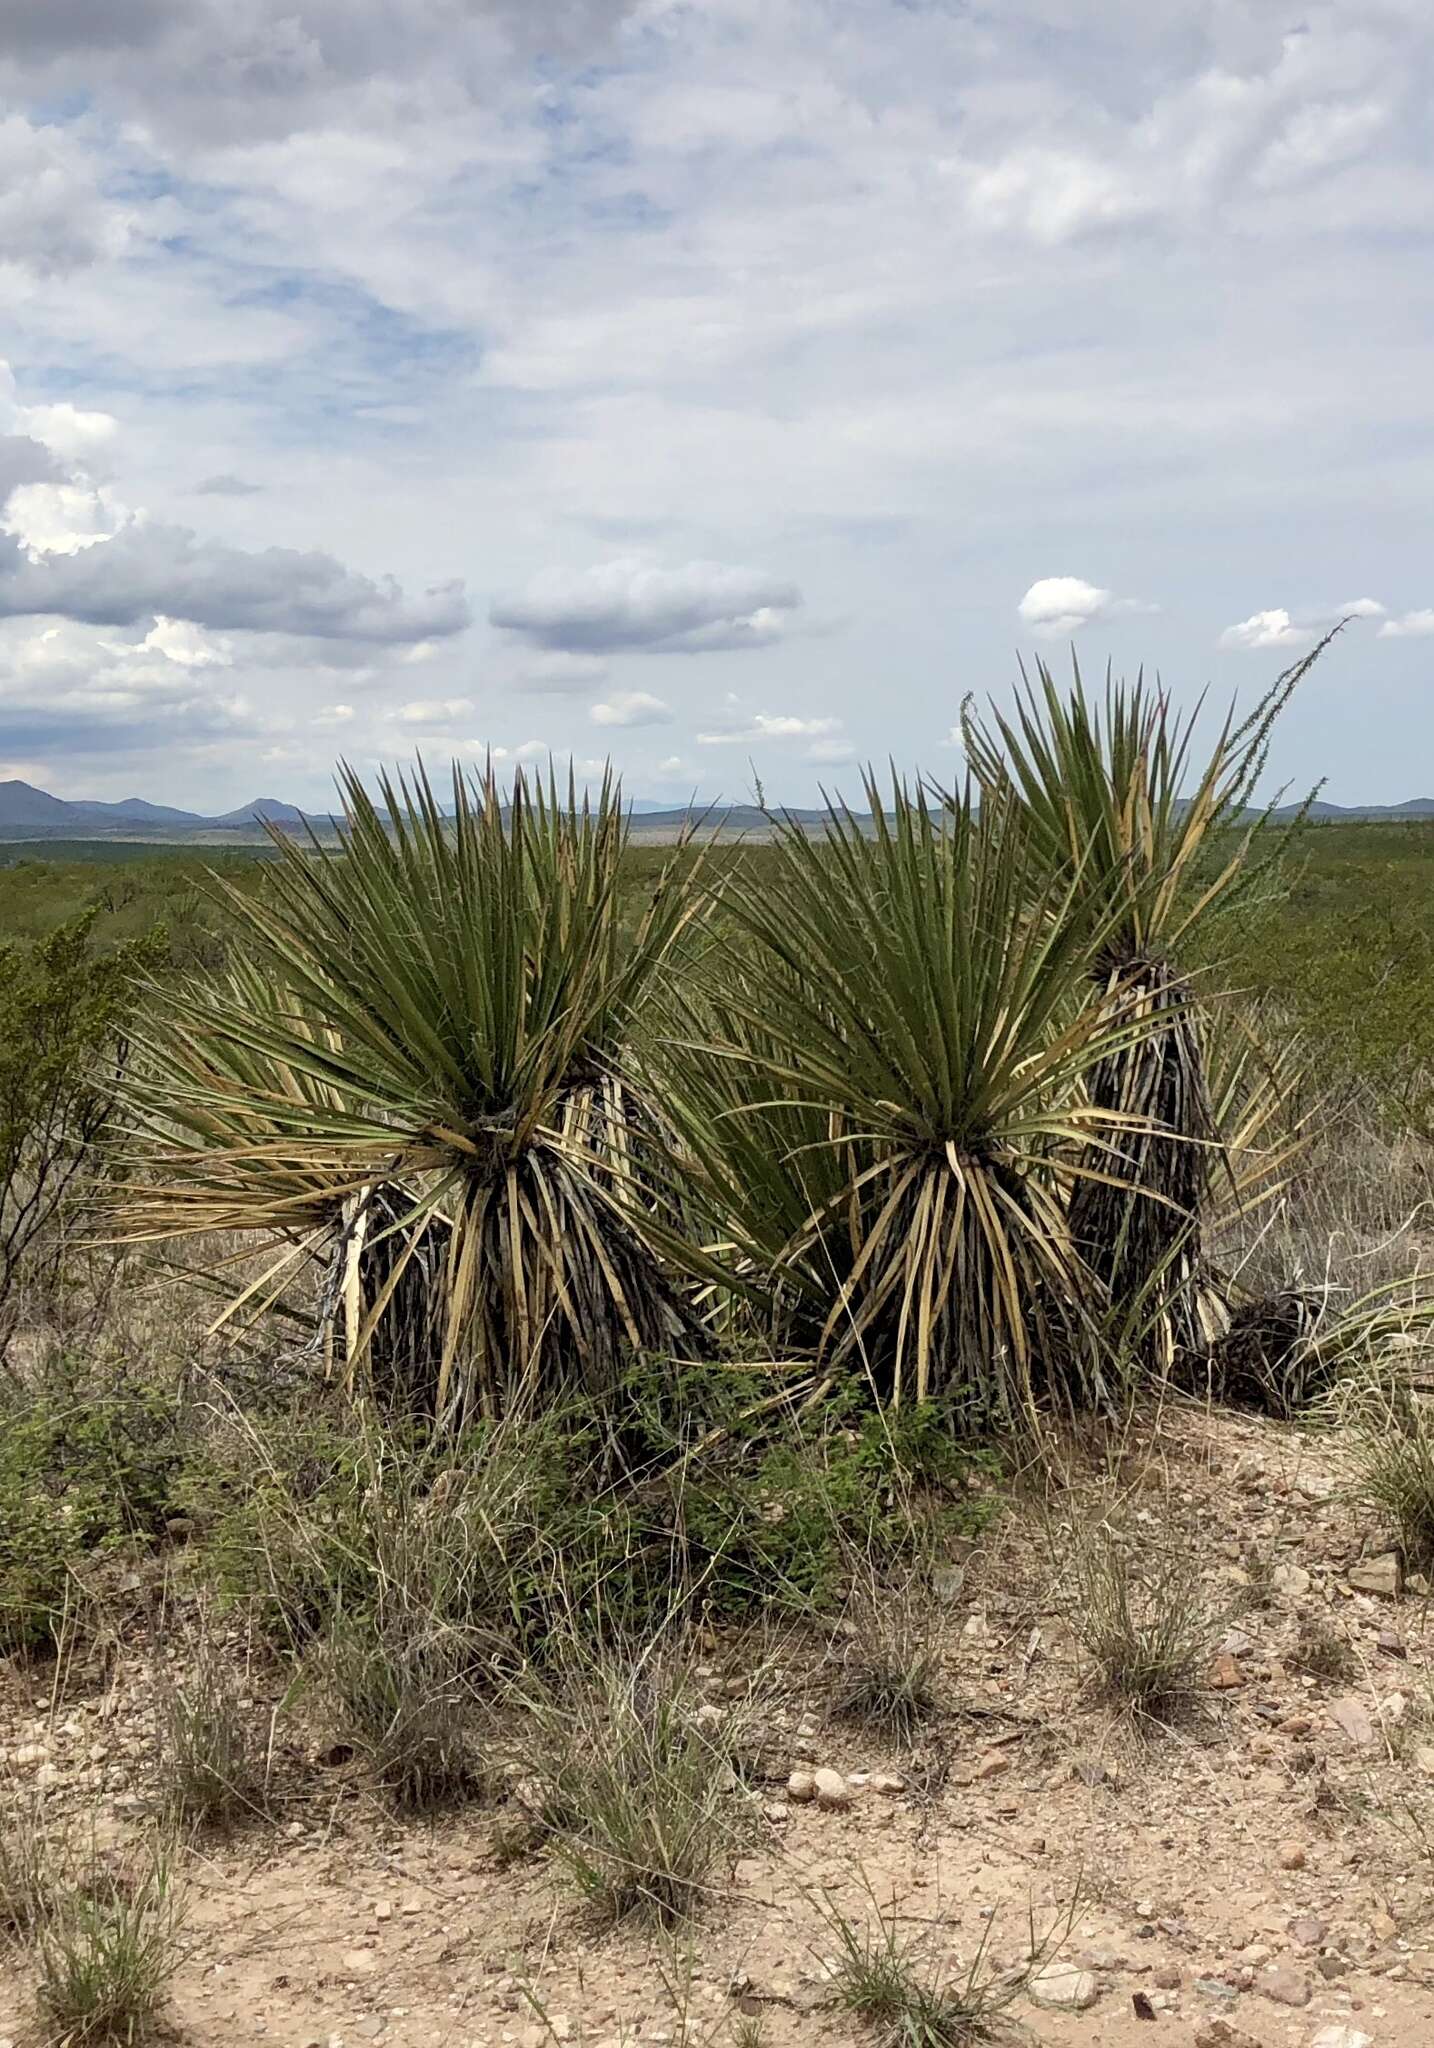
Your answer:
<point x="1391" y="1644"/>
<point x="1290" y="1579"/>
<point x="993" y="1766"/>
<point x="801" y="1787"/>
<point x="1296" y="1724"/>
<point x="1225" y="1673"/>
<point x="1308" y="1931"/>
<point x="889" y="1782"/>
<point x="832" y="1790"/>
<point x="1220" y="2034"/>
<point x="371" y="2028"/>
<point x="1166" y="1977"/>
<point x="1235" y="1643"/>
<point x="1351" y="1717"/>
<point x="1338" y="2035"/>
<point x="360" y="1962"/>
<point x="1424" y="1759"/>
<point x="1064" y="1987"/>
<point x="1292" y="1856"/>
<point x="708" y="1717"/>
<point x="29" y="1754"/>
<point x="1383" y="1575"/>
<point x="1283" y="1983"/>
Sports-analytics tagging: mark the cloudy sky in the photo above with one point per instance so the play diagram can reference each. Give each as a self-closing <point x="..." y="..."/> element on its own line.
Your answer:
<point x="718" y="385"/>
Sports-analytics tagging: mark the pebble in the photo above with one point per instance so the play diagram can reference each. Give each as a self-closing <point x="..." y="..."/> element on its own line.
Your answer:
<point x="889" y="1782"/>
<point x="1064" y="1986"/>
<point x="1290" y="1579"/>
<point x="832" y="1790"/>
<point x="1308" y="1931"/>
<point x="1340" y="2036"/>
<point x="1292" y="1856"/>
<point x="993" y="1766"/>
<point x="801" y="1787"/>
<point x="1283" y="1983"/>
<point x="1225" y="1673"/>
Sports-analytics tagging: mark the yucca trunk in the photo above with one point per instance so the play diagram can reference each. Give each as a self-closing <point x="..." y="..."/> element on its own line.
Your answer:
<point x="1135" y="1214"/>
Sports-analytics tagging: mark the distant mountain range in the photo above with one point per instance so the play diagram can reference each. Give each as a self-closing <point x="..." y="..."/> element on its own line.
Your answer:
<point x="27" y="813"/>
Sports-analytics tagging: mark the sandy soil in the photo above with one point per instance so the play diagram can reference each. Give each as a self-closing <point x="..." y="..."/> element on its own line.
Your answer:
<point x="1261" y="1875"/>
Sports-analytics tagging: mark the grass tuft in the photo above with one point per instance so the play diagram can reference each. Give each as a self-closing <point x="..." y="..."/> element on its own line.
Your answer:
<point x="636" y="1776"/>
<point x="1143" y="1622"/>
<point x="889" y="1977"/>
<point x="401" y="1687"/>
<point x="216" y="1769"/>
<point x="885" y="1662"/>
<point x="108" y="1949"/>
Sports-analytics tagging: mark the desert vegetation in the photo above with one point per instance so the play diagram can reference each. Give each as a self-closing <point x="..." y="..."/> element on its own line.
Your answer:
<point x="522" y="1350"/>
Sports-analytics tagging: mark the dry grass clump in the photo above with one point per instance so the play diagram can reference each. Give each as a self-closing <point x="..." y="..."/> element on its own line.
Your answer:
<point x="26" y="1870"/>
<point x="891" y="1978"/>
<point x="401" y="1686"/>
<point x="1394" y="1476"/>
<point x="885" y="1660"/>
<point x="108" y="1946"/>
<point x="215" y="1753"/>
<point x="635" y="1776"/>
<point x="1140" y="1614"/>
<point x="1321" y="1651"/>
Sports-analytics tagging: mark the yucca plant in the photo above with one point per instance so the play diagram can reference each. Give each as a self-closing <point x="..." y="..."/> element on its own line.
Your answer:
<point x="1118" y="808"/>
<point x="880" y="1103"/>
<point x="438" y="1076"/>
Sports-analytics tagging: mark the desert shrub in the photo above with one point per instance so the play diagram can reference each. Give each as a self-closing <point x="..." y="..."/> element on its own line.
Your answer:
<point x="108" y="1946"/>
<point x="609" y="1512"/>
<point x="63" y="1015"/>
<point x="1140" y="1614"/>
<point x="634" y="1776"/>
<point x="82" y="1470"/>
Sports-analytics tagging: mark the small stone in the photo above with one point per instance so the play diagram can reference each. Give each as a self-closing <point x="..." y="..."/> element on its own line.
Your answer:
<point x="801" y="1787"/>
<point x="371" y="2028"/>
<point x="382" y="1910"/>
<point x="1296" y="1725"/>
<point x="411" y="1906"/>
<point x="889" y="1782"/>
<point x="1351" y="1717"/>
<point x="1290" y="1579"/>
<point x="1292" y="1856"/>
<point x="1220" y="2034"/>
<point x="1391" y="1644"/>
<point x="1331" y="1967"/>
<point x="1283" y="1983"/>
<point x="1225" y="1673"/>
<point x="1337" y="2035"/>
<point x="1308" y="1931"/>
<point x="708" y="1717"/>
<point x="832" y="1790"/>
<point x="1424" y="1759"/>
<point x="360" y="1962"/>
<point x="1064" y="1986"/>
<point x="29" y="1754"/>
<point x="1235" y="1643"/>
<point x="1165" y="1977"/>
<point x="1383" y="1575"/>
<point x="993" y="1766"/>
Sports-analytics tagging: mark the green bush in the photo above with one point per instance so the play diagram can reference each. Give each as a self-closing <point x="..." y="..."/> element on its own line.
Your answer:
<point x="80" y="1472"/>
<point x="63" y="1010"/>
<point x="511" y="1532"/>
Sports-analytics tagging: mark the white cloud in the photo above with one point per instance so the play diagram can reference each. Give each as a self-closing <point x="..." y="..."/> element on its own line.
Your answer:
<point x="631" y="707"/>
<point x="770" y="726"/>
<point x="440" y="711"/>
<point x="1360" y="608"/>
<point x="1273" y="628"/>
<point x="831" y="751"/>
<point x="701" y="607"/>
<point x="189" y="645"/>
<point x="1409" y="626"/>
<point x="1063" y="604"/>
<point x="61" y="519"/>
